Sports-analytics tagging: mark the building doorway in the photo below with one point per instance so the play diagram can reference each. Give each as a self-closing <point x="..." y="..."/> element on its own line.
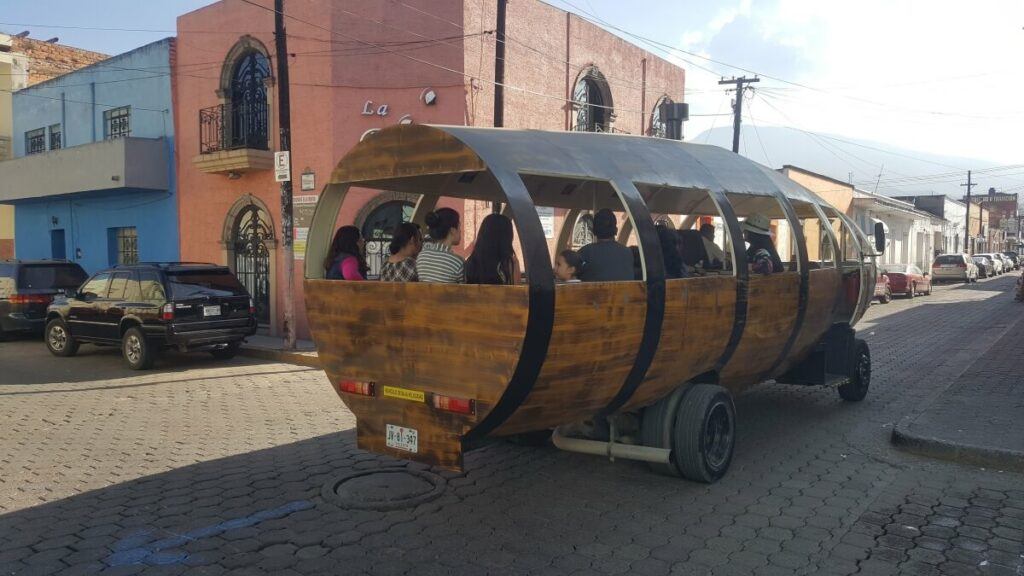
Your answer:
<point x="250" y="237"/>
<point x="378" y="230"/>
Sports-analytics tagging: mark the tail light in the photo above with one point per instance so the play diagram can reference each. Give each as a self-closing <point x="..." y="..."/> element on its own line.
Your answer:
<point x="457" y="405"/>
<point x="31" y="299"/>
<point x="167" y="313"/>
<point x="360" y="388"/>
<point x="252" y="307"/>
<point x="962" y="265"/>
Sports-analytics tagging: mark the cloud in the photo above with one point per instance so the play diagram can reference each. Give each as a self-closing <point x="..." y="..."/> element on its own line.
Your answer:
<point x="744" y="43"/>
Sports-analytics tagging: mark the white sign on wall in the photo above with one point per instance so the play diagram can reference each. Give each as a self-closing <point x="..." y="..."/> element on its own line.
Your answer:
<point x="282" y="166"/>
<point x="547" y="220"/>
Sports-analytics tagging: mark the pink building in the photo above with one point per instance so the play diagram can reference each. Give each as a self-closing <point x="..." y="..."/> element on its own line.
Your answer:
<point x="357" y="66"/>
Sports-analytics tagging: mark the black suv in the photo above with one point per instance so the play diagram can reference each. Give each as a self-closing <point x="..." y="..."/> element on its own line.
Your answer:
<point x="28" y="286"/>
<point x="147" y="307"/>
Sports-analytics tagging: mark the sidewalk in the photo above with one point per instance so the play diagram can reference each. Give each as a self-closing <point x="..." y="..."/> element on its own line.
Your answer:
<point x="979" y="419"/>
<point x="272" y="348"/>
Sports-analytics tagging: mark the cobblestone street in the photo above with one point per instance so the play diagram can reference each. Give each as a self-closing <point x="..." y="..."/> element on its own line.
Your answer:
<point x="210" y="467"/>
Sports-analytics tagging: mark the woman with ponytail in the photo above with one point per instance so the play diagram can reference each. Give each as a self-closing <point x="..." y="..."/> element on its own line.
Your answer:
<point x="405" y="245"/>
<point x="436" y="262"/>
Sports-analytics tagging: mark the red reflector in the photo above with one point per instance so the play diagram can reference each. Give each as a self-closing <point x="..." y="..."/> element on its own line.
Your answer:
<point x="458" y="405"/>
<point x="168" y="312"/>
<point x="353" y="387"/>
<point x="31" y="299"/>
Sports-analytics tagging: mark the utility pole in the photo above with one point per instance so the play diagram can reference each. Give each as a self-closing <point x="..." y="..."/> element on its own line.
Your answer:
<point x="737" y="106"/>
<point x="499" y="76"/>
<point x="967" y="230"/>
<point x="285" y="136"/>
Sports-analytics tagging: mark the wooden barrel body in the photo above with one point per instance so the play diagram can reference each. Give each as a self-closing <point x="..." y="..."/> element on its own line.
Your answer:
<point x="536" y="356"/>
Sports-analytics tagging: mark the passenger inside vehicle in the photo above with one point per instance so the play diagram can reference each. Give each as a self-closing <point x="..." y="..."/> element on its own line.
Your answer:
<point x="762" y="258"/>
<point x="345" y="260"/>
<point x="406" y="244"/>
<point x="716" y="257"/>
<point x="493" y="260"/>
<point x="568" y="265"/>
<point x="607" y="260"/>
<point x="436" y="262"/>
<point x="670" y="253"/>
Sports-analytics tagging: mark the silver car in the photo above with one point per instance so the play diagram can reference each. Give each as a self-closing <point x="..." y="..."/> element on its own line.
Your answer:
<point x="959" y="267"/>
<point x="997" y="262"/>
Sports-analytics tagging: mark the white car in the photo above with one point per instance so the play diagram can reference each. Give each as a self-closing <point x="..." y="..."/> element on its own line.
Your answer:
<point x="997" y="262"/>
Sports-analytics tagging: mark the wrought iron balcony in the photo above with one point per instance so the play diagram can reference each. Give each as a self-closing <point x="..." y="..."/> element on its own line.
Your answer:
<point x="234" y="139"/>
<point x="229" y="127"/>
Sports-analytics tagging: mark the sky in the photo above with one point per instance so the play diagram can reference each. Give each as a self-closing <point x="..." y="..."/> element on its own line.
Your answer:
<point x="931" y="75"/>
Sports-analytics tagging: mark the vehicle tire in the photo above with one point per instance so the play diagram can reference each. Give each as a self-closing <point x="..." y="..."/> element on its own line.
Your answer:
<point x="59" y="340"/>
<point x="929" y="292"/>
<point x="857" y="388"/>
<point x="228" y="352"/>
<point x="137" y="351"/>
<point x="910" y="291"/>
<point x="887" y="297"/>
<point x="658" y="427"/>
<point x="705" y="433"/>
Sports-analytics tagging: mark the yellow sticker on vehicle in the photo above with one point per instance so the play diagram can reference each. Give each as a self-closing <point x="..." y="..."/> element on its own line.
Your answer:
<point x="404" y="394"/>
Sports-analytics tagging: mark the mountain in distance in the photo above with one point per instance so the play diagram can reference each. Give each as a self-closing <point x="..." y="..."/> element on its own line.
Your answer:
<point x="839" y="156"/>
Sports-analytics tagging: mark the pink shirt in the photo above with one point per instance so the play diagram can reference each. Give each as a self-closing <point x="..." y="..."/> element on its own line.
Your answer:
<point x="350" y="269"/>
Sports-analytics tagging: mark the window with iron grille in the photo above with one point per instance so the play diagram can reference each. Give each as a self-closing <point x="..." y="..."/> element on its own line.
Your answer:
<point x="35" y="141"/>
<point x="118" y="122"/>
<point x="126" y="242"/>
<point x="55" y="137"/>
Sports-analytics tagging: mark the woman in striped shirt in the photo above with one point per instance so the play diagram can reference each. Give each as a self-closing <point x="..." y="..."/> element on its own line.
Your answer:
<point x="436" y="262"/>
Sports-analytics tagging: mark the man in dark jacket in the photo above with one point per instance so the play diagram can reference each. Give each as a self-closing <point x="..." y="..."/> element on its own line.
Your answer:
<point x="606" y="260"/>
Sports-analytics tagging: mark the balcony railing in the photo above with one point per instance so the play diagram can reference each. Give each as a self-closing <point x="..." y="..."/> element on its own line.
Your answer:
<point x="233" y="127"/>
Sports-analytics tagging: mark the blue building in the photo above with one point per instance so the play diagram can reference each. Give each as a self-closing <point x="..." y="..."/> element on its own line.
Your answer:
<point x="93" y="174"/>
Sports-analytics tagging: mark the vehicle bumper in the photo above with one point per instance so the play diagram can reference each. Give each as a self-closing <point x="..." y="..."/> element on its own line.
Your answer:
<point x="196" y="338"/>
<point x="18" y="322"/>
<point x="958" y="275"/>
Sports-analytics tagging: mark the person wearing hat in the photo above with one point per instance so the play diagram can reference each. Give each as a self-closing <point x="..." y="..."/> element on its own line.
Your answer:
<point x="761" y="254"/>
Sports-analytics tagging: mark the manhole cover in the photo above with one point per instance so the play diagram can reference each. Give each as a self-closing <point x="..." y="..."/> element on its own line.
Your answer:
<point x="384" y="489"/>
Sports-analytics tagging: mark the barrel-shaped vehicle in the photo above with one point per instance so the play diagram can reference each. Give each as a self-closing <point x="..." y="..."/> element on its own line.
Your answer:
<point x="643" y="369"/>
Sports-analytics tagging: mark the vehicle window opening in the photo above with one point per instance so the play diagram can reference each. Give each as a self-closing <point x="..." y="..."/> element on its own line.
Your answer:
<point x="849" y="248"/>
<point x="703" y="242"/>
<point x="821" y="251"/>
<point x="769" y="241"/>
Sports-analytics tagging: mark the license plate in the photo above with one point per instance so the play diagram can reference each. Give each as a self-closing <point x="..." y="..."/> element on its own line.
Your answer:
<point x="211" y="311"/>
<point x="400" y="438"/>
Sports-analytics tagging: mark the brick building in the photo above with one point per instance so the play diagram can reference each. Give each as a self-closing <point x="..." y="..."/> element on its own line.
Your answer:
<point x="357" y="66"/>
<point x="25" y="62"/>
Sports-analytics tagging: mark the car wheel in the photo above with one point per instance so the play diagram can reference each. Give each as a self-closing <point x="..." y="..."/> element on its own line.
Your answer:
<point x="705" y="433"/>
<point x="887" y="297"/>
<point x="59" y="340"/>
<point x="856" y="388"/>
<point x="929" y="292"/>
<point x="137" y="351"/>
<point x="229" y="351"/>
<point x="910" y="291"/>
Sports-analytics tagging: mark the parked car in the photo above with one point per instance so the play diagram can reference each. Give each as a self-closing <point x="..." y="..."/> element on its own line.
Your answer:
<point x="908" y="279"/>
<point x="28" y="286"/>
<point x="1014" y="257"/>
<point x="954" y="267"/>
<point x="883" y="292"/>
<point x="1007" y="262"/>
<point x="147" y="307"/>
<point x="986" y="269"/>
<point x="997" y="262"/>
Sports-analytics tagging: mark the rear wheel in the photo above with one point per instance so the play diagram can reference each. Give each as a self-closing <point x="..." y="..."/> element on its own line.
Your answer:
<point x="658" y="426"/>
<point x="886" y="297"/>
<point x="910" y="291"/>
<point x="138" y="353"/>
<point x="59" y="340"/>
<point x="856" y="388"/>
<point x="228" y="352"/>
<point x="705" y="433"/>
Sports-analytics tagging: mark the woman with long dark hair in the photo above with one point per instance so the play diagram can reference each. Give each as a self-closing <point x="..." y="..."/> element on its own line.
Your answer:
<point x="345" y="260"/>
<point x="493" y="261"/>
<point x="405" y="245"/>
<point x="436" y="262"/>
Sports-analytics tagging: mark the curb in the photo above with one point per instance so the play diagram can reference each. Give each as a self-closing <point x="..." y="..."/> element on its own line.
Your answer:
<point x="309" y="359"/>
<point x="961" y="453"/>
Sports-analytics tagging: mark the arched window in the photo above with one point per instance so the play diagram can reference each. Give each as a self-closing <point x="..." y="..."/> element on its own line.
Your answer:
<point x="658" y="127"/>
<point x="592" y="103"/>
<point x="583" y="231"/>
<point x="247" y="101"/>
<point x="379" y="228"/>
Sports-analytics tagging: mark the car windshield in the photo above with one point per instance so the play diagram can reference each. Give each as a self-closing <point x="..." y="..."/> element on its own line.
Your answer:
<point x="980" y="259"/>
<point x="895" y="269"/>
<point x="199" y="283"/>
<point x="56" y="276"/>
<point x="949" y="259"/>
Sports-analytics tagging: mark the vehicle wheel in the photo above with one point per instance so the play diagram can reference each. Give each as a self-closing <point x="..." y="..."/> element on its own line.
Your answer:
<point x="929" y="292"/>
<point x="138" y="353"/>
<point x="705" y="433"/>
<point x="59" y="339"/>
<point x="658" y="426"/>
<point x="911" y="290"/>
<point x="228" y="352"/>
<point x="857" y="388"/>
<point x="887" y="297"/>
